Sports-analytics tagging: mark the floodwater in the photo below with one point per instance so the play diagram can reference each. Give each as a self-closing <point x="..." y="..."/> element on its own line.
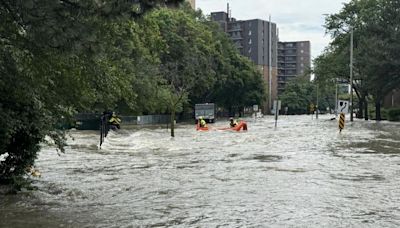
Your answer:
<point x="302" y="174"/>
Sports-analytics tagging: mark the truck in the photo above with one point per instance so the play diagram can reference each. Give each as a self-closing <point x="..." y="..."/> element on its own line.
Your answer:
<point x="206" y="110"/>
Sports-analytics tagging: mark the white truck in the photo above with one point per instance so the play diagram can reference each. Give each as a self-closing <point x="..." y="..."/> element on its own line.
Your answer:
<point x="206" y="110"/>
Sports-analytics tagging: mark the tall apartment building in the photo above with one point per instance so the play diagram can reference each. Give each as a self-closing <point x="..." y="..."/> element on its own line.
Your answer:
<point x="294" y="59"/>
<point x="251" y="37"/>
<point x="192" y="3"/>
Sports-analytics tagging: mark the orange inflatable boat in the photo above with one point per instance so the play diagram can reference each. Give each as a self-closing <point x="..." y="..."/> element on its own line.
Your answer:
<point x="198" y="128"/>
<point x="240" y="126"/>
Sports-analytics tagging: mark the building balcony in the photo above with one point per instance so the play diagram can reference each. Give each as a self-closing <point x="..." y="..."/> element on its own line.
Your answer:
<point x="237" y="29"/>
<point x="290" y="66"/>
<point x="236" y="38"/>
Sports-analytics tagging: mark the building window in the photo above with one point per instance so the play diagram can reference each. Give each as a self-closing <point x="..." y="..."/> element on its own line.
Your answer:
<point x="302" y="44"/>
<point x="301" y="51"/>
<point x="249" y="23"/>
<point x="249" y="41"/>
<point x="302" y="64"/>
<point x="302" y="58"/>
<point x="249" y="32"/>
<point x="249" y="50"/>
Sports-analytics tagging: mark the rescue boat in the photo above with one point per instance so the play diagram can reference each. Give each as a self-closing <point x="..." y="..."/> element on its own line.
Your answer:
<point x="242" y="125"/>
<point x="198" y="128"/>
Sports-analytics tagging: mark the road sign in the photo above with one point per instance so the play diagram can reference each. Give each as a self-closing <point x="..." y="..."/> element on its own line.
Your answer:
<point x="255" y="108"/>
<point x="275" y="104"/>
<point x="343" y="106"/>
<point x="312" y="107"/>
<point x="277" y="108"/>
<point x="341" y="121"/>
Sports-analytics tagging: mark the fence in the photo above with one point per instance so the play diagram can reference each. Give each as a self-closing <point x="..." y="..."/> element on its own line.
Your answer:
<point x="91" y="121"/>
<point x="153" y="119"/>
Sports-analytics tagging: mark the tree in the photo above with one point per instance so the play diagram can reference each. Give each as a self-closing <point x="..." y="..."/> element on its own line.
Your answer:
<point x="298" y="95"/>
<point x="185" y="55"/>
<point x="57" y="57"/>
<point x="376" y="32"/>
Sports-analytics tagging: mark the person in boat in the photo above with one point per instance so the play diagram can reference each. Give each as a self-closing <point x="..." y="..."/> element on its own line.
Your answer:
<point x="114" y="122"/>
<point x="232" y="122"/>
<point x="202" y="122"/>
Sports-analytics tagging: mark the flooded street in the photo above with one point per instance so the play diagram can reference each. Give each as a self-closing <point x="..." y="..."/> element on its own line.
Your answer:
<point x="302" y="174"/>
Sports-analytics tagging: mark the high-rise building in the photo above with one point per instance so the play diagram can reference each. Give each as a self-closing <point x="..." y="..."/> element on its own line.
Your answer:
<point x="294" y="59"/>
<point x="252" y="39"/>
<point x="192" y="3"/>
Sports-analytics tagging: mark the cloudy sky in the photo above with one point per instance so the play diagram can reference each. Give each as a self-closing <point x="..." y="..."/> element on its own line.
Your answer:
<point x="296" y="19"/>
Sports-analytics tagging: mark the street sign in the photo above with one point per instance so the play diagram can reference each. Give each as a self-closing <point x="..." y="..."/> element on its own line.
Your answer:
<point x="279" y="105"/>
<point x="255" y="108"/>
<point x="312" y="107"/>
<point x="343" y="106"/>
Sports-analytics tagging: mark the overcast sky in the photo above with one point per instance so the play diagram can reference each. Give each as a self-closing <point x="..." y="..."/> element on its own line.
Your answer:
<point x="296" y="19"/>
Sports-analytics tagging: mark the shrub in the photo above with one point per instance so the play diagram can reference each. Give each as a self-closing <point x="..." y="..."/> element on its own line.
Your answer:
<point x="393" y="114"/>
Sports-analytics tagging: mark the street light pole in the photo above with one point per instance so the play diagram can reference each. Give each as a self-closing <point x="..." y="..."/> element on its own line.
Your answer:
<point x="336" y="99"/>
<point x="270" y="65"/>
<point x="351" y="73"/>
<point x="351" y="65"/>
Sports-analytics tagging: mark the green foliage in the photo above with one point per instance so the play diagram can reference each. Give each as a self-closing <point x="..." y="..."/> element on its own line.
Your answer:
<point x="393" y="114"/>
<point x="58" y="57"/>
<point x="299" y="94"/>
<point x="376" y="47"/>
<point x="62" y="57"/>
<point x="239" y="83"/>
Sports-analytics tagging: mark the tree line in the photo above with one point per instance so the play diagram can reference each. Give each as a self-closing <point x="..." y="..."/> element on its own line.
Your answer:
<point x="376" y="62"/>
<point x="60" y="57"/>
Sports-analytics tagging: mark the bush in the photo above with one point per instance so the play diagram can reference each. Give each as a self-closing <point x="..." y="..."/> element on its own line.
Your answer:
<point x="393" y="114"/>
<point x="372" y="114"/>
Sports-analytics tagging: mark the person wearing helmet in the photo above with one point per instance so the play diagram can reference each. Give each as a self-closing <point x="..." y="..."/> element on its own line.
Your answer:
<point x="114" y="121"/>
<point x="202" y="122"/>
<point x="232" y="122"/>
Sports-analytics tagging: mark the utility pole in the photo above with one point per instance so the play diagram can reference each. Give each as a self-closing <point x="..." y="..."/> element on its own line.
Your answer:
<point x="336" y="99"/>
<point x="270" y="64"/>
<point x="351" y="73"/>
<point x="316" y="106"/>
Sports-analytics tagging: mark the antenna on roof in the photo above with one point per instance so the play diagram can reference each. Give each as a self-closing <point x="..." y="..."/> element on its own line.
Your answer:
<point x="227" y="10"/>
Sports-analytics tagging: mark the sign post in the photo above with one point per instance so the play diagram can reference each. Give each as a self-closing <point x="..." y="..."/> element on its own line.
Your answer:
<point x="277" y="108"/>
<point x="343" y="107"/>
<point x="255" y="110"/>
<point x="341" y="122"/>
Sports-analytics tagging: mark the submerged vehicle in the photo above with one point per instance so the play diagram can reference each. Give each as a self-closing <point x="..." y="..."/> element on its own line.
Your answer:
<point x="206" y="110"/>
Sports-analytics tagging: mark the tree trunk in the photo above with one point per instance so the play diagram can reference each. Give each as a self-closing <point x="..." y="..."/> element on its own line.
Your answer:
<point x="366" y="110"/>
<point x="378" y="109"/>
<point x="360" y="113"/>
<point x="173" y="122"/>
